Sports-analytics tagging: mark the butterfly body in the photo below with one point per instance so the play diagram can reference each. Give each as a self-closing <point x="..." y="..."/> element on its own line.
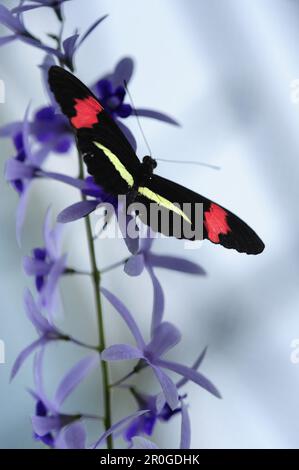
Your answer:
<point x="115" y="167"/>
<point x="145" y="173"/>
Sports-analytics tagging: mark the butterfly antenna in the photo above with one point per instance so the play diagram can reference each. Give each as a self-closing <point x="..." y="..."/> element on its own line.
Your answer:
<point x="137" y="117"/>
<point x="189" y="162"/>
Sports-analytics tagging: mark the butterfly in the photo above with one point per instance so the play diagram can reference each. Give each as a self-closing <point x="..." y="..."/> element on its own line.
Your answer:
<point x="114" y="165"/>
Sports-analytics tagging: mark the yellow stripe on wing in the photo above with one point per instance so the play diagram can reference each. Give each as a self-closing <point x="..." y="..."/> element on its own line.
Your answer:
<point x="117" y="164"/>
<point x="162" y="201"/>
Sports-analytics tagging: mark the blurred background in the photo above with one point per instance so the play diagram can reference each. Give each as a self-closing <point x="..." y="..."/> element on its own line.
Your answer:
<point x="224" y="71"/>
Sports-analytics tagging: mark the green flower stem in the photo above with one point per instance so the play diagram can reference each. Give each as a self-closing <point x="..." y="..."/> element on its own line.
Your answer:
<point x="96" y="278"/>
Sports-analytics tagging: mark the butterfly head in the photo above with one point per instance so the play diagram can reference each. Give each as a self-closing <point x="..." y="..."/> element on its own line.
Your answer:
<point x="149" y="164"/>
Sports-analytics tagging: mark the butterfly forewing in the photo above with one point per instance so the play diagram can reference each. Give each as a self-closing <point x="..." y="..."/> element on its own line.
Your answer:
<point x="106" y="151"/>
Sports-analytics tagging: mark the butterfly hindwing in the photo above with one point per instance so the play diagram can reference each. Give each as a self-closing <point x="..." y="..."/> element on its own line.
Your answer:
<point x="205" y="218"/>
<point x="106" y="151"/>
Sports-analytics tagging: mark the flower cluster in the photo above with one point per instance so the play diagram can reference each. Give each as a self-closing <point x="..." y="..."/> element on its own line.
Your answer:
<point x="35" y="138"/>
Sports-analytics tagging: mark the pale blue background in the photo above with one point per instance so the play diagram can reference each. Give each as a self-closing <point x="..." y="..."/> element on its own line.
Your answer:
<point x="223" y="69"/>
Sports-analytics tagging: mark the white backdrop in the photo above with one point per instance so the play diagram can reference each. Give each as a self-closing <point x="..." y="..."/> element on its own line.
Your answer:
<point x="223" y="69"/>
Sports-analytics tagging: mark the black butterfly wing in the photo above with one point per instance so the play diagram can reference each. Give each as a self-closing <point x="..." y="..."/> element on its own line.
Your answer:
<point x="109" y="157"/>
<point x="194" y="212"/>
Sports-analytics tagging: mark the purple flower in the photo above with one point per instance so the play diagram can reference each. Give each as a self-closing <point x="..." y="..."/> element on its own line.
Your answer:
<point x="49" y="419"/>
<point x="146" y="259"/>
<point x="22" y="169"/>
<point x="47" y="265"/>
<point x="13" y="20"/>
<point x="113" y="98"/>
<point x="64" y="53"/>
<point x="34" y="4"/>
<point x="52" y="129"/>
<point x="49" y="129"/>
<point x="112" y="93"/>
<point x="143" y="443"/>
<point x="83" y="208"/>
<point x="98" y="196"/>
<point x="164" y="337"/>
<point x="159" y="410"/>
<point x="145" y="424"/>
<point x="74" y="436"/>
<point x="71" y="44"/>
<point x="47" y="332"/>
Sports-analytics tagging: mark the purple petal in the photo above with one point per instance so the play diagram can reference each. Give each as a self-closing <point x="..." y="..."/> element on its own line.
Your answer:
<point x="26" y="134"/>
<point x="91" y="188"/>
<point x="21" y="9"/>
<point x="34" y="315"/>
<point x="160" y="402"/>
<point x="103" y="88"/>
<point x="128" y="134"/>
<point x="175" y="264"/>
<point x="47" y="63"/>
<point x="38" y="157"/>
<point x="127" y="317"/>
<point x="117" y="426"/>
<point x="124" y="110"/>
<point x="39" y="383"/>
<point x="25" y="353"/>
<point x="125" y="222"/>
<point x="35" y="267"/>
<point x="69" y="46"/>
<point x="45" y="114"/>
<point x="135" y="265"/>
<point x="121" y="352"/>
<point x="74" y="377"/>
<point x="195" y="366"/>
<point x="12" y="129"/>
<point x="120" y="93"/>
<point x="14" y="170"/>
<point x="142" y="443"/>
<point x="48" y="292"/>
<point x="77" y="211"/>
<point x="165" y="336"/>
<point x="71" y="437"/>
<point x="76" y="182"/>
<point x="21" y="212"/>
<point x="52" y="236"/>
<point x="91" y="29"/>
<point x="190" y="374"/>
<point x="9" y="20"/>
<point x="147" y="241"/>
<point x="168" y="387"/>
<point x="7" y="39"/>
<point x="131" y="242"/>
<point x="158" y="304"/>
<point x="63" y="145"/>
<point x="123" y="71"/>
<point x="156" y="115"/>
<point x="185" y="428"/>
<point x="44" y="424"/>
<point x="39" y="45"/>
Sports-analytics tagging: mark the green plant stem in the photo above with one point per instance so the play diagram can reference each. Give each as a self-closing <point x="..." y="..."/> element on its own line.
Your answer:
<point x="96" y="278"/>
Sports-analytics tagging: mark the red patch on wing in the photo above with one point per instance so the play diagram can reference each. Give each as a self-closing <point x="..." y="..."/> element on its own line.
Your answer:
<point x="87" y="110"/>
<point x="215" y="222"/>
